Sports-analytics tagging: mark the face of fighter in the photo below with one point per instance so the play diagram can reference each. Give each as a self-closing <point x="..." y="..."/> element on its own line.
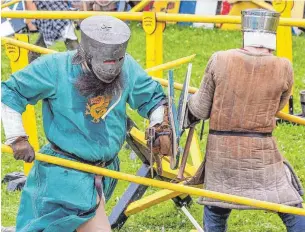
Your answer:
<point x="101" y="52"/>
<point x="107" y="61"/>
<point x="104" y="41"/>
<point x="89" y="85"/>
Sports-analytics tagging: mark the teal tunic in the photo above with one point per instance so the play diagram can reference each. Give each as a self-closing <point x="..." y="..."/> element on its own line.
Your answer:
<point x="55" y="198"/>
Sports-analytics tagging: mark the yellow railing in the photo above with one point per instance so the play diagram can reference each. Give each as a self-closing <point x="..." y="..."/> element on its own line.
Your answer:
<point x="28" y="46"/>
<point x="162" y="184"/>
<point x="9" y="3"/>
<point x="138" y="16"/>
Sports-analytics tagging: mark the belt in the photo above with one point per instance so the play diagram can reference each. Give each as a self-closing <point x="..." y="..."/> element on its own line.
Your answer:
<point x="70" y="155"/>
<point x="241" y="133"/>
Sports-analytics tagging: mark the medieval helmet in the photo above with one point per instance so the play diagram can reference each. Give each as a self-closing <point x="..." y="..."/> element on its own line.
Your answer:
<point x="259" y="28"/>
<point x="103" y="45"/>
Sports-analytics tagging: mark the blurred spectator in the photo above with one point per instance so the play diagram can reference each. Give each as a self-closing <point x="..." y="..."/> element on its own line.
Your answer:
<point x="52" y="30"/>
<point x="100" y="5"/>
<point x="29" y="5"/>
<point x="103" y="5"/>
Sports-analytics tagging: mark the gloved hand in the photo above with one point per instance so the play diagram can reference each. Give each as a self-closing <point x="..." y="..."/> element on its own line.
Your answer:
<point x="22" y="149"/>
<point x="162" y="143"/>
<point x="189" y="119"/>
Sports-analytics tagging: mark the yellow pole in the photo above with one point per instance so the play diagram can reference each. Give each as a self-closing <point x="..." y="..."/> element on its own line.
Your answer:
<point x="28" y="46"/>
<point x="134" y="16"/>
<point x="163" y="82"/>
<point x="284" y="40"/>
<point x="290" y="118"/>
<point x="19" y="59"/>
<point x="162" y="184"/>
<point x="138" y="16"/>
<point x="9" y="3"/>
<point x="178" y="86"/>
<point x="154" y="40"/>
<point x="170" y="64"/>
<point x="195" y="152"/>
<point x="140" y="6"/>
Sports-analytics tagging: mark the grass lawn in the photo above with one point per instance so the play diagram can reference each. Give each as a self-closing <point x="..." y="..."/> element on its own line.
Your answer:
<point x="180" y="42"/>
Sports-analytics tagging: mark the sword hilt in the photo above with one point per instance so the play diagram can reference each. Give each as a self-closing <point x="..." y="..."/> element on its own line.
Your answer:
<point x="151" y="135"/>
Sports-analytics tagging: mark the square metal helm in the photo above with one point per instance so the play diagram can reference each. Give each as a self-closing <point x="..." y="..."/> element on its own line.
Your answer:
<point x="103" y="45"/>
<point x="259" y="20"/>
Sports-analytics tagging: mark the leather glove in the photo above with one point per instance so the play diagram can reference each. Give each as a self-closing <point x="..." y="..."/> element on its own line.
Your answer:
<point x="22" y="149"/>
<point x="162" y="145"/>
<point x="189" y="119"/>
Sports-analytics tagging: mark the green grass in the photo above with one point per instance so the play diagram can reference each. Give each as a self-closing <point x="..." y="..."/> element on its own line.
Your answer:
<point x="179" y="42"/>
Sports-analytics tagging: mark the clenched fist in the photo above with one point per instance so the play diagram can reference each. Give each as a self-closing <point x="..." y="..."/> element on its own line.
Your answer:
<point x="22" y="149"/>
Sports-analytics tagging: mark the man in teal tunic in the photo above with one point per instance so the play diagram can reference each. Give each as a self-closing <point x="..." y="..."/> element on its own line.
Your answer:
<point x="84" y="95"/>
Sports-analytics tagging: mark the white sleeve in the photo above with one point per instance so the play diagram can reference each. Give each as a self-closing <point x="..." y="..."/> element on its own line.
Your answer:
<point x="12" y="124"/>
<point x="156" y="116"/>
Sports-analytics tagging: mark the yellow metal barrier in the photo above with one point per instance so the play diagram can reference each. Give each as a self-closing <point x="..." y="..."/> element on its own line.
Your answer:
<point x="163" y="184"/>
<point x="284" y="39"/>
<point x="28" y="46"/>
<point x="149" y="201"/>
<point x="290" y="118"/>
<point x="9" y="3"/>
<point x="171" y="64"/>
<point x="133" y="16"/>
<point x="140" y="6"/>
<point x="154" y="41"/>
<point x="138" y="16"/>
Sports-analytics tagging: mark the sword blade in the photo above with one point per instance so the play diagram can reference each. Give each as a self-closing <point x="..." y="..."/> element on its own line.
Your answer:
<point x="183" y="98"/>
<point x="174" y="160"/>
<point x="151" y="137"/>
<point x="192" y="219"/>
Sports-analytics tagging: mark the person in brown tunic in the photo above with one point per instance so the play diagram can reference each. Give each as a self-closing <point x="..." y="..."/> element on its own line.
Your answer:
<point x="241" y="92"/>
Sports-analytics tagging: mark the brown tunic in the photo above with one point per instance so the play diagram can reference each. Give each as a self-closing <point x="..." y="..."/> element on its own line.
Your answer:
<point x="242" y="91"/>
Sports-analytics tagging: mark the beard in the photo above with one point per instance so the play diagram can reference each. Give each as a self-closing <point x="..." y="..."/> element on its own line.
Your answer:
<point x="88" y="84"/>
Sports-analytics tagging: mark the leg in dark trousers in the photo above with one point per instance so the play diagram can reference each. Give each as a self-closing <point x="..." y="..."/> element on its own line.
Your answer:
<point x="215" y="219"/>
<point x="39" y="42"/>
<point x="293" y="223"/>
